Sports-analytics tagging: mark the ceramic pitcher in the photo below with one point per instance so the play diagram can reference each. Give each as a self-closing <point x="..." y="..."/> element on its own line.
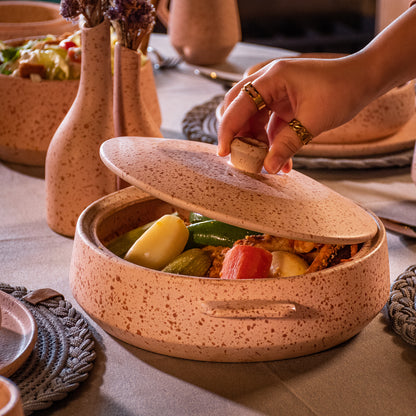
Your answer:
<point x="202" y="32"/>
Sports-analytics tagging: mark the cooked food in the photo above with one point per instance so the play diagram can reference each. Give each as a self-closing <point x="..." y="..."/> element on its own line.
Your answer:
<point x="208" y="248"/>
<point x="159" y="244"/>
<point x="286" y="264"/>
<point x="246" y="262"/>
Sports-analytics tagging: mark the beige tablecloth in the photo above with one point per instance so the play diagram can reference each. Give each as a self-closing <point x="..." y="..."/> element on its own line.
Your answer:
<point x="372" y="374"/>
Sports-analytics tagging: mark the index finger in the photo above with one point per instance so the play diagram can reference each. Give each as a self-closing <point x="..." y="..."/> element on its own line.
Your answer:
<point x="237" y="117"/>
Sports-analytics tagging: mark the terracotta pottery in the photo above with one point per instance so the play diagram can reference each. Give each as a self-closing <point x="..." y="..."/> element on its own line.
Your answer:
<point x="148" y="92"/>
<point x="26" y="128"/>
<point x="74" y="173"/>
<point x="10" y="401"/>
<point x="414" y="166"/>
<point x="214" y="319"/>
<point x="203" y="33"/>
<point x="383" y="117"/>
<point x="20" y="19"/>
<point x="132" y="116"/>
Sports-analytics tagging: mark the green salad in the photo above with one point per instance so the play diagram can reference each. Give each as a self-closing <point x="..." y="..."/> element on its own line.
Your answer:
<point x="50" y="57"/>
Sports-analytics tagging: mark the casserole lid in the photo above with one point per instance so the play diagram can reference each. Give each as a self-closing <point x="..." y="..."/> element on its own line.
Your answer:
<point x="190" y="175"/>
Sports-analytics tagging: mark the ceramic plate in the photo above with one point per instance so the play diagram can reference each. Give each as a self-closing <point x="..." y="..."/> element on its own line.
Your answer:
<point x="404" y="139"/>
<point x="18" y="334"/>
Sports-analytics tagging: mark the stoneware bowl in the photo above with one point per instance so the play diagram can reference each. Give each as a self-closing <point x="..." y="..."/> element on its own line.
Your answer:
<point x="20" y="19"/>
<point x="10" y="402"/>
<point x="225" y="320"/>
<point x="383" y="117"/>
<point x="32" y="111"/>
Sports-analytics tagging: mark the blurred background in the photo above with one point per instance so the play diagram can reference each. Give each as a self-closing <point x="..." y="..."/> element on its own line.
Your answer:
<point x="342" y="26"/>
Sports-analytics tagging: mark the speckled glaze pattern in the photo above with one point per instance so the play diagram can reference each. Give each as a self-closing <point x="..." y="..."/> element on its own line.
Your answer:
<point x="204" y="32"/>
<point x="26" y="128"/>
<point x="213" y="319"/>
<point x="132" y="117"/>
<point x="148" y="92"/>
<point x="74" y="173"/>
<point x="192" y="176"/>
<point x="20" y="19"/>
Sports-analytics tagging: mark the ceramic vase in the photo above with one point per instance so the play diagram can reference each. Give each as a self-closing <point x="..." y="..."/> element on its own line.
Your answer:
<point x="148" y="91"/>
<point x="133" y="102"/>
<point x="202" y="32"/>
<point x="74" y="173"/>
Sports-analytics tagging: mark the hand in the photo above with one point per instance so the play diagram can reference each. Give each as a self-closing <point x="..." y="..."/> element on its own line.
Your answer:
<point x="321" y="93"/>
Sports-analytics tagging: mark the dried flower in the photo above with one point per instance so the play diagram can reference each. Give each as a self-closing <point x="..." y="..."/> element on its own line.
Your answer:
<point x="92" y="10"/>
<point x="132" y="20"/>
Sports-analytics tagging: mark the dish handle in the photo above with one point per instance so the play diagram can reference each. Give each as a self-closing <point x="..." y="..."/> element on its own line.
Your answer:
<point x="252" y="309"/>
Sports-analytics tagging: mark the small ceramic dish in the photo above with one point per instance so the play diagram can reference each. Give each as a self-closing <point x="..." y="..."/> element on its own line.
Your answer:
<point x="225" y="320"/>
<point x="19" y="19"/>
<point x="10" y="401"/>
<point x="18" y="334"/>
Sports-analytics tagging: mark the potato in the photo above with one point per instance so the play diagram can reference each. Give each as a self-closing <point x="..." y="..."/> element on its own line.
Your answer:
<point x="160" y="244"/>
<point x="286" y="264"/>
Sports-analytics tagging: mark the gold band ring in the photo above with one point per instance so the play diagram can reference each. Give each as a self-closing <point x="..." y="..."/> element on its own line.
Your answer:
<point x="254" y="95"/>
<point x="301" y="131"/>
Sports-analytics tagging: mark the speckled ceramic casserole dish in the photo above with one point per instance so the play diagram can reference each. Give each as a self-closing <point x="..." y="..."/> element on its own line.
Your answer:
<point x="215" y="319"/>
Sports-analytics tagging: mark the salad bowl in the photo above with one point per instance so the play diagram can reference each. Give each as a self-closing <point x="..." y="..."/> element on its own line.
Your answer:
<point x="215" y="319"/>
<point x="32" y="110"/>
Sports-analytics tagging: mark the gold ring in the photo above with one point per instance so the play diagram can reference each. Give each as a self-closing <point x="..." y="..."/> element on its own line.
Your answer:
<point x="254" y="95"/>
<point x="301" y="131"/>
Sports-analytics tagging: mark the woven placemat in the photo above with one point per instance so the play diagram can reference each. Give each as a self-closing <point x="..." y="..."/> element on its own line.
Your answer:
<point x="63" y="354"/>
<point x="201" y="124"/>
<point x="401" y="305"/>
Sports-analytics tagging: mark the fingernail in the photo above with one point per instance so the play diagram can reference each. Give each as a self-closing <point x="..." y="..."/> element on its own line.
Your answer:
<point x="274" y="165"/>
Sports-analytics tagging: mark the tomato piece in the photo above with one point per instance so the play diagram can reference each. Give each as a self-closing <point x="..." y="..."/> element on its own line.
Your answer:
<point x="246" y="262"/>
<point x="74" y="54"/>
<point x="66" y="44"/>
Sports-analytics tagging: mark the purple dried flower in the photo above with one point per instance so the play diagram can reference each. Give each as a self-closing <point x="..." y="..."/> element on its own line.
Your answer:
<point x="92" y="10"/>
<point x="132" y="20"/>
<point x="69" y="9"/>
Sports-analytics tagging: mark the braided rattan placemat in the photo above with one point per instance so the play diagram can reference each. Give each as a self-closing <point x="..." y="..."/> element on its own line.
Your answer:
<point x="401" y="305"/>
<point x="201" y="124"/>
<point x="63" y="354"/>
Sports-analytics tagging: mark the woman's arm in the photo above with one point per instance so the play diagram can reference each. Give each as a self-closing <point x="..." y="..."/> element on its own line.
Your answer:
<point x="321" y="93"/>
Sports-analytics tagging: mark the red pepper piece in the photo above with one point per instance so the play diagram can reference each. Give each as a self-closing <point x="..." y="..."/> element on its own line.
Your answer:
<point x="66" y="44"/>
<point x="74" y="54"/>
<point x="246" y="262"/>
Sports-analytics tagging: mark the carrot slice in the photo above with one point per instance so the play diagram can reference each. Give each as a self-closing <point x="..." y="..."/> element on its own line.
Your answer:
<point x="246" y="262"/>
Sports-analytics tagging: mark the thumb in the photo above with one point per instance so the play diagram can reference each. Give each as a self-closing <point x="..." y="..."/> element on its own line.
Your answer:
<point x="284" y="145"/>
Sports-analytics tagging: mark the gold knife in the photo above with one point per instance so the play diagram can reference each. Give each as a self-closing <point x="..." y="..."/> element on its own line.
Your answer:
<point x="399" y="227"/>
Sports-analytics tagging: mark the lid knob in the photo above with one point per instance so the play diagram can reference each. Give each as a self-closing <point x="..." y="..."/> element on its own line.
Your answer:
<point x="247" y="154"/>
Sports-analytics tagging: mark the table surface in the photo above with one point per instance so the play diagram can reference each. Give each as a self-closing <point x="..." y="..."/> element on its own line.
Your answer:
<point x="372" y="374"/>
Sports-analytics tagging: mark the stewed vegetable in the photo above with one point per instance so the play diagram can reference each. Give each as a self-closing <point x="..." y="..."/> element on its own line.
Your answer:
<point x="203" y="247"/>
